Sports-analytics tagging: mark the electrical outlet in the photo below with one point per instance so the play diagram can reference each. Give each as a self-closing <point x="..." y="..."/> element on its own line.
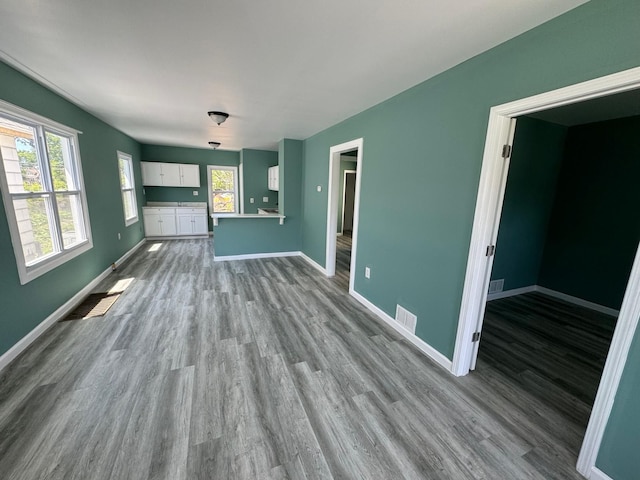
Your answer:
<point x="265" y="199"/>
<point x="251" y="200"/>
<point x="496" y="286"/>
<point x="195" y="193"/>
<point x="367" y="272"/>
<point x="319" y="188"/>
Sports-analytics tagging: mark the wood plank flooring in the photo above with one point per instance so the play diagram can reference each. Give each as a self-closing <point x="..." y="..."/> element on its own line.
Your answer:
<point x="552" y="349"/>
<point x="343" y="261"/>
<point x="259" y="369"/>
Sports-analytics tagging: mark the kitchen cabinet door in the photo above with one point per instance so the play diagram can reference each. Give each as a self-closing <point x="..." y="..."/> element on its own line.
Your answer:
<point x="168" y="223"/>
<point x="151" y="174"/>
<point x="171" y="175"/>
<point x="190" y="175"/>
<point x="152" y="226"/>
<point x="200" y="224"/>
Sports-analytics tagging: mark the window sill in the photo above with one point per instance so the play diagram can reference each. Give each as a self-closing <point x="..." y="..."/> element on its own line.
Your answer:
<point x="29" y="273"/>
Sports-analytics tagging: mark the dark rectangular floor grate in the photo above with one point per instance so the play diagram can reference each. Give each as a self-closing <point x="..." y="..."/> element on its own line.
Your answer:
<point x="95" y="305"/>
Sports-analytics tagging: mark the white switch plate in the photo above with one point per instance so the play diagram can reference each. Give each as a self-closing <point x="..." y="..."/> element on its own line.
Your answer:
<point x="319" y="188"/>
<point x="367" y="272"/>
<point x="119" y="237"/>
<point x="265" y="199"/>
<point x="195" y="193"/>
<point x="251" y="200"/>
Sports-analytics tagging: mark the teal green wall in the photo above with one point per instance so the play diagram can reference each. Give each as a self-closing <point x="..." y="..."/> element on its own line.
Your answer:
<point x="344" y="165"/>
<point x="425" y="145"/>
<point x="538" y="149"/>
<point x="198" y="156"/>
<point x="241" y="236"/>
<point x="255" y="166"/>
<point x="618" y="456"/>
<point x="25" y="306"/>
<point x="595" y="229"/>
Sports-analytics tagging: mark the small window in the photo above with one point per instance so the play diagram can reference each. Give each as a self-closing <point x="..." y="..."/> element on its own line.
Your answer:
<point x="223" y="189"/>
<point x="43" y="191"/>
<point x="128" y="188"/>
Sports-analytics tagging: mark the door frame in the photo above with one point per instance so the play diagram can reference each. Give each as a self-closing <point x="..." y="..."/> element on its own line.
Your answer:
<point x="344" y="198"/>
<point x="487" y="217"/>
<point x="332" y="207"/>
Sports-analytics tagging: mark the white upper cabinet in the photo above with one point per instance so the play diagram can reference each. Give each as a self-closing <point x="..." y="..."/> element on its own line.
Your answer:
<point x="274" y="178"/>
<point x="190" y="175"/>
<point x="159" y="174"/>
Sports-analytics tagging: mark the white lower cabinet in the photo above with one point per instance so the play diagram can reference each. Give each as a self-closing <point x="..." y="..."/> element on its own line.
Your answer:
<point x="167" y="222"/>
<point x="159" y="222"/>
<point x="192" y="221"/>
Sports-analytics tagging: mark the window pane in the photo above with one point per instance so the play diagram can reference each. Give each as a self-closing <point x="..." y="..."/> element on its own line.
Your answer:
<point x="61" y="161"/>
<point x="71" y="221"/>
<point x="35" y="224"/>
<point x="224" y="203"/>
<point x="20" y="157"/>
<point x="128" y="200"/>
<point x="125" y="173"/>
<point x="222" y="180"/>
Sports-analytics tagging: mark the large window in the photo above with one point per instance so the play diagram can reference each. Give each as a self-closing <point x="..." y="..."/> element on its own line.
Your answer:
<point x="42" y="190"/>
<point x="127" y="186"/>
<point x="223" y="189"/>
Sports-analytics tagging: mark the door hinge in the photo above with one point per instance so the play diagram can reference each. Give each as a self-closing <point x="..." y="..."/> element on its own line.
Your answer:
<point x="491" y="249"/>
<point x="506" y="151"/>
<point x="475" y="337"/>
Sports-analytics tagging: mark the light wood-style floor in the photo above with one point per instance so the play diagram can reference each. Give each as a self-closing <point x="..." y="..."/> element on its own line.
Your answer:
<point x="259" y="369"/>
<point x="343" y="261"/>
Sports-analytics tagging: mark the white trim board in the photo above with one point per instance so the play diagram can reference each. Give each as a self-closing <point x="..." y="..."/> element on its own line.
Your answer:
<point x="250" y="256"/>
<point x="554" y="293"/>
<point x="61" y="312"/>
<point x="313" y="263"/>
<point x="484" y="232"/>
<point x="511" y="293"/>
<point x="332" y="206"/>
<point x="424" y="347"/>
<point x="597" y="474"/>
<point x="578" y="301"/>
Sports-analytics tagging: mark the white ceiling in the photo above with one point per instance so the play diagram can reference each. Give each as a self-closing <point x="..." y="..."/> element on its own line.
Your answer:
<point x="280" y="68"/>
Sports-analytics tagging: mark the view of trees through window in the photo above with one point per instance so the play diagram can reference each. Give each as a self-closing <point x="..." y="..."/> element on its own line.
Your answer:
<point x="40" y="185"/>
<point x="224" y="191"/>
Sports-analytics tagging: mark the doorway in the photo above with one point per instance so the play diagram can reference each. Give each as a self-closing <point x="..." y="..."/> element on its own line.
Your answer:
<point x="491" y="191"/>
<point x="343" y="197"/>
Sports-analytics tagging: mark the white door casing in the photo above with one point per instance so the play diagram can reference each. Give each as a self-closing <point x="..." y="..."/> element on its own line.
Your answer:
<point x="487" y="216"/>
<point x="332" y="207"/>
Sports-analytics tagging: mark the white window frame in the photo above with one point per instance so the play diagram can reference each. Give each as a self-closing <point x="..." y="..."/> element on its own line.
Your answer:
<point x="128" y="159"/>
<point x="236" y="192"/>
<point x="47" y="263"/>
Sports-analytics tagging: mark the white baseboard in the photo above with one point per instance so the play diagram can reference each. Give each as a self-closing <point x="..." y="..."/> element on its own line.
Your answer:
<point x="597" y="474"/>
<point x="60" y="313"/>
<point x="424" y="347"/>
<point x="511" y="293"/>
<point x="578" y="301"/>
<point x="313" y="263"/>
<point x="553" y="293"/>
<point x="250" y="256"/>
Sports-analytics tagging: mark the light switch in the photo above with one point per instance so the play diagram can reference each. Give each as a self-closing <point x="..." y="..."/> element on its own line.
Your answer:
<point x="265" y="199"/>
<point x="319" y="188"/>
<point x="251" y="200"/>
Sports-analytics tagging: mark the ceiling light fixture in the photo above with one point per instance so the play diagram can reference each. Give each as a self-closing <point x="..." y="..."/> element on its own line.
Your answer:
<point x="214" y="144"/>
<point x="218" y="117"/>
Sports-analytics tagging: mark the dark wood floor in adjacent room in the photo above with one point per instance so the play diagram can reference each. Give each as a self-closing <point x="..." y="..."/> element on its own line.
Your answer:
<point x="261" y="369"/>
<point x="552" y="349"/>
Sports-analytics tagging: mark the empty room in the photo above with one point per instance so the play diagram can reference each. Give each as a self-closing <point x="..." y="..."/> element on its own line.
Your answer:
<point x="300" y="240"/>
